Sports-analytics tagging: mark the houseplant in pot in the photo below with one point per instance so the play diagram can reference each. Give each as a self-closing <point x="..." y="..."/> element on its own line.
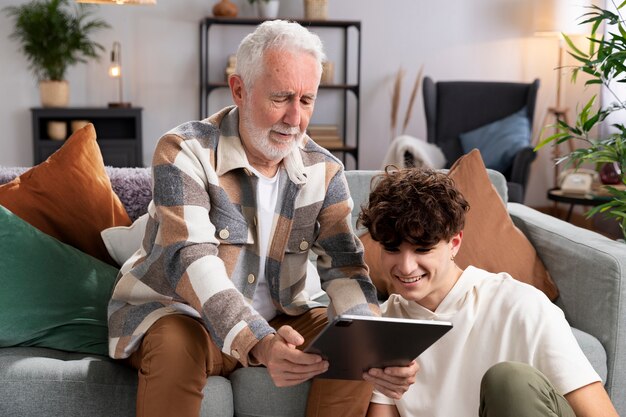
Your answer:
<point x="604" y="64"/>
<point x="54" y="35"/>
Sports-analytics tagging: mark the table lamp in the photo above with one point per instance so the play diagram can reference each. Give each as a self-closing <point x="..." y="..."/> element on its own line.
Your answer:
<point x="115" y="71"/>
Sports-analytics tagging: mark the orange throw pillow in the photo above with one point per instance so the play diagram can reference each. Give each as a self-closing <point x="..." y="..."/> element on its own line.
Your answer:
<point x="371" y="252"/>
<point x="490" y="239"/>
<point x="69" y="196"/>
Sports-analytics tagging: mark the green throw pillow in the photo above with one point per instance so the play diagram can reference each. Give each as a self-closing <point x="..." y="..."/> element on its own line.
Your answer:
<point x="51" y="294"/>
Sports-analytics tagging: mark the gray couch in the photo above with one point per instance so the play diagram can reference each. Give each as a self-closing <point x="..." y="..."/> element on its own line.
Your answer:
<point x="588" y="269"/>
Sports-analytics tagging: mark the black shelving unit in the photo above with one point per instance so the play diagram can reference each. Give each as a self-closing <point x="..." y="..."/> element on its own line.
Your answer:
<point x="118" y="131"/>
<point x="350" y="145"/>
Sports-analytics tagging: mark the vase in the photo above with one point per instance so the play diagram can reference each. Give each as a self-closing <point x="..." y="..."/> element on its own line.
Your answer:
<point x="54" y="93"/>
<point x="610" y="173"/>
<point x="316" y="9"/>
<point x="225" y="8"/>
<point x="78" y="124"/>
<point x="268" y="9"/>
<point x="57" y="130"/>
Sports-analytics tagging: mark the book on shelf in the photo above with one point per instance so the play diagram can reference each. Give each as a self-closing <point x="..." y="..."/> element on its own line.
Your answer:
<point x="323" y="130"/>
<point x="325" y="135"/>
<point x="337" y="143"/>
<point x="323" y="127"/>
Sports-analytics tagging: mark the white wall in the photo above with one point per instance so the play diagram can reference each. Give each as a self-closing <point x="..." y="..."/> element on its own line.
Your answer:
<point x="455" y="39"/>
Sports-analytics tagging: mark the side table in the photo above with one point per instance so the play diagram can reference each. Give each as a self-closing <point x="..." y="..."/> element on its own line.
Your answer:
<point x="118" y="131"/>
<point x="588" y="199"/>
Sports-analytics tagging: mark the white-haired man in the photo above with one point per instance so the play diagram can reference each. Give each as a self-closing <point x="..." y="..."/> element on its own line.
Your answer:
<point x="239" y="200"/>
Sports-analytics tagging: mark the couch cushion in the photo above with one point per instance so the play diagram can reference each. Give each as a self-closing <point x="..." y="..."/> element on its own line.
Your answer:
<point x="255" y="395"/>
<point x="39" y="382"/>
<point x="594" y="351"/>
<point x="69" y="196"/>
<point x="53" y="295"/>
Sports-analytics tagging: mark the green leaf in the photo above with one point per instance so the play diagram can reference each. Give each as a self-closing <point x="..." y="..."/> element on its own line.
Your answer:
<point x="573" y="47"/>
<point x="591" y="122"/>
<point x="551" y="138"/>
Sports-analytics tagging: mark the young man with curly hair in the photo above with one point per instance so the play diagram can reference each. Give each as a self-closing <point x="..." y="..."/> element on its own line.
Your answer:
<point x="510" y="352"/>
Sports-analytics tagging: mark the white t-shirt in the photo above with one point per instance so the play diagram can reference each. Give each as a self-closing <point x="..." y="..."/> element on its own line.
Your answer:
<point x="495" y="318"/>
<point x="266" y="197"/>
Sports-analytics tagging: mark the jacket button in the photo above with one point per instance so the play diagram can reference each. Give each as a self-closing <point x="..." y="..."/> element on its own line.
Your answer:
<point x="251" y="278"/>
<point x="304" y="245"/>
<point x="224" y="233"/>
<point x="234" y="354"/>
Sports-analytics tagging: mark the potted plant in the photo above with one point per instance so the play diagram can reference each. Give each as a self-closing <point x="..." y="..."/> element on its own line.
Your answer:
<point x="54" y="36"/>
<point x="604" y="63"/>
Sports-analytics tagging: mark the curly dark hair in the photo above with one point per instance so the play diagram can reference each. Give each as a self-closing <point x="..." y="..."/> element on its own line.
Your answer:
<point x="416" y="205"/>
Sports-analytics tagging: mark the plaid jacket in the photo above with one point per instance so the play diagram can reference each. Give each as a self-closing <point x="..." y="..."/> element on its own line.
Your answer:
<point x="199" y="255"/>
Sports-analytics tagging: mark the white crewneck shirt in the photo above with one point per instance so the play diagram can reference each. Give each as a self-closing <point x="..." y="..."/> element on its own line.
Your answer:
<point x="496" y="318"/>
<point x="266" y="197"/>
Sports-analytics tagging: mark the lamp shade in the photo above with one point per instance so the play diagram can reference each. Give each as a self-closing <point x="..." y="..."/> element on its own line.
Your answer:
<point x="559" y="16"/>
<point x="118" y="1"/>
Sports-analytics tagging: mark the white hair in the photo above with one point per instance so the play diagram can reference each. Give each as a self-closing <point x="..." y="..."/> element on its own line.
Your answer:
<point x="275" y="34"/>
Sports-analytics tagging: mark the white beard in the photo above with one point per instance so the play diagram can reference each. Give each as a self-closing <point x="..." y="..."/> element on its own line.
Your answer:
<point x="266" y="146"/>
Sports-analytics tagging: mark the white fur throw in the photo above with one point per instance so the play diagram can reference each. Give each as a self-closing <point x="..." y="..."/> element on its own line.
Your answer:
<point x="423" y="154"/>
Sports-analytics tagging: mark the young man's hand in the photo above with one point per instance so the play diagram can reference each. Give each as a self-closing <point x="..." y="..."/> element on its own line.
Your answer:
<point x="392" y="381"/>
<point x="287" y="365"/>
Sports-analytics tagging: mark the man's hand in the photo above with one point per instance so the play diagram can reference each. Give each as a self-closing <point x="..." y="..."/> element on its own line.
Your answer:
<point x="287" y="365"/>
<point x="392" y="381"/>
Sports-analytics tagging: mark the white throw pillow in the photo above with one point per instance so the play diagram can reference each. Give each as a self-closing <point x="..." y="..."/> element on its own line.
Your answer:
<point x="123" y="241"/>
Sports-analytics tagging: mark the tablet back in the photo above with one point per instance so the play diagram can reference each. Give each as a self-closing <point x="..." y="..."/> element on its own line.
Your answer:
<point x="354" y="344"/>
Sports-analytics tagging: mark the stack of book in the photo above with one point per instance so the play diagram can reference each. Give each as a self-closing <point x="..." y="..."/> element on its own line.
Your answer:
<point x="325" y="135"/>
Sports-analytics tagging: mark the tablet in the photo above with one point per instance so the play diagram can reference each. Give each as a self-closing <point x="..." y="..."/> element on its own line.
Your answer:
<point x="354" y="344"/>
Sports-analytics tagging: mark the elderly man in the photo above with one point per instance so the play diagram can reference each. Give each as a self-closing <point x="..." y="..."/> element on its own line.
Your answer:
<point x="239" y="200"/>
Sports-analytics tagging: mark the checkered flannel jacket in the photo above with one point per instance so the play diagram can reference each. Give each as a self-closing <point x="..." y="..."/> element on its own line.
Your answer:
<point x="199" y="255"/>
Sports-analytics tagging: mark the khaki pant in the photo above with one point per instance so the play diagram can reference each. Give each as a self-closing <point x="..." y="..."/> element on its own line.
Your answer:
<point x="177" y="356"/>
<point x="513" y="389"/>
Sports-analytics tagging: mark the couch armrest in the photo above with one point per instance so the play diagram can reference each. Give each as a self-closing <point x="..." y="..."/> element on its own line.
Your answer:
<point x="590" y="272"/>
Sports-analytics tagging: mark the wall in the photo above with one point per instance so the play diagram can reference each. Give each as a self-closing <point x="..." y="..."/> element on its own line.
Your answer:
<point x="456" y="39"/>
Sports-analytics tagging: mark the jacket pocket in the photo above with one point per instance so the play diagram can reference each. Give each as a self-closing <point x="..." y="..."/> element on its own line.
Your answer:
<point x="231" y="230"/>
<point x="301" y="238"/>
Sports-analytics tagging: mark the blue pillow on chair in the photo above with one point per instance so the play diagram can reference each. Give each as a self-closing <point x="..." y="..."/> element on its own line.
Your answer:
<point x="499" y="141"/>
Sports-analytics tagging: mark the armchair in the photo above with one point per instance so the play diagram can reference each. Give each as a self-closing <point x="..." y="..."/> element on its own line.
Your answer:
<point x="456" y="107"/>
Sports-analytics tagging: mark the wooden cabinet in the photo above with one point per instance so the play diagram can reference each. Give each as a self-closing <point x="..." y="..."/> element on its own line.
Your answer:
<point x="118" y="131"/>
<point x="343" y="92"/>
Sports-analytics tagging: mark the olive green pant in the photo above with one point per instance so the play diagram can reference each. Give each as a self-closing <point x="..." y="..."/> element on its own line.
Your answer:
<point x="513" y="389"/>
